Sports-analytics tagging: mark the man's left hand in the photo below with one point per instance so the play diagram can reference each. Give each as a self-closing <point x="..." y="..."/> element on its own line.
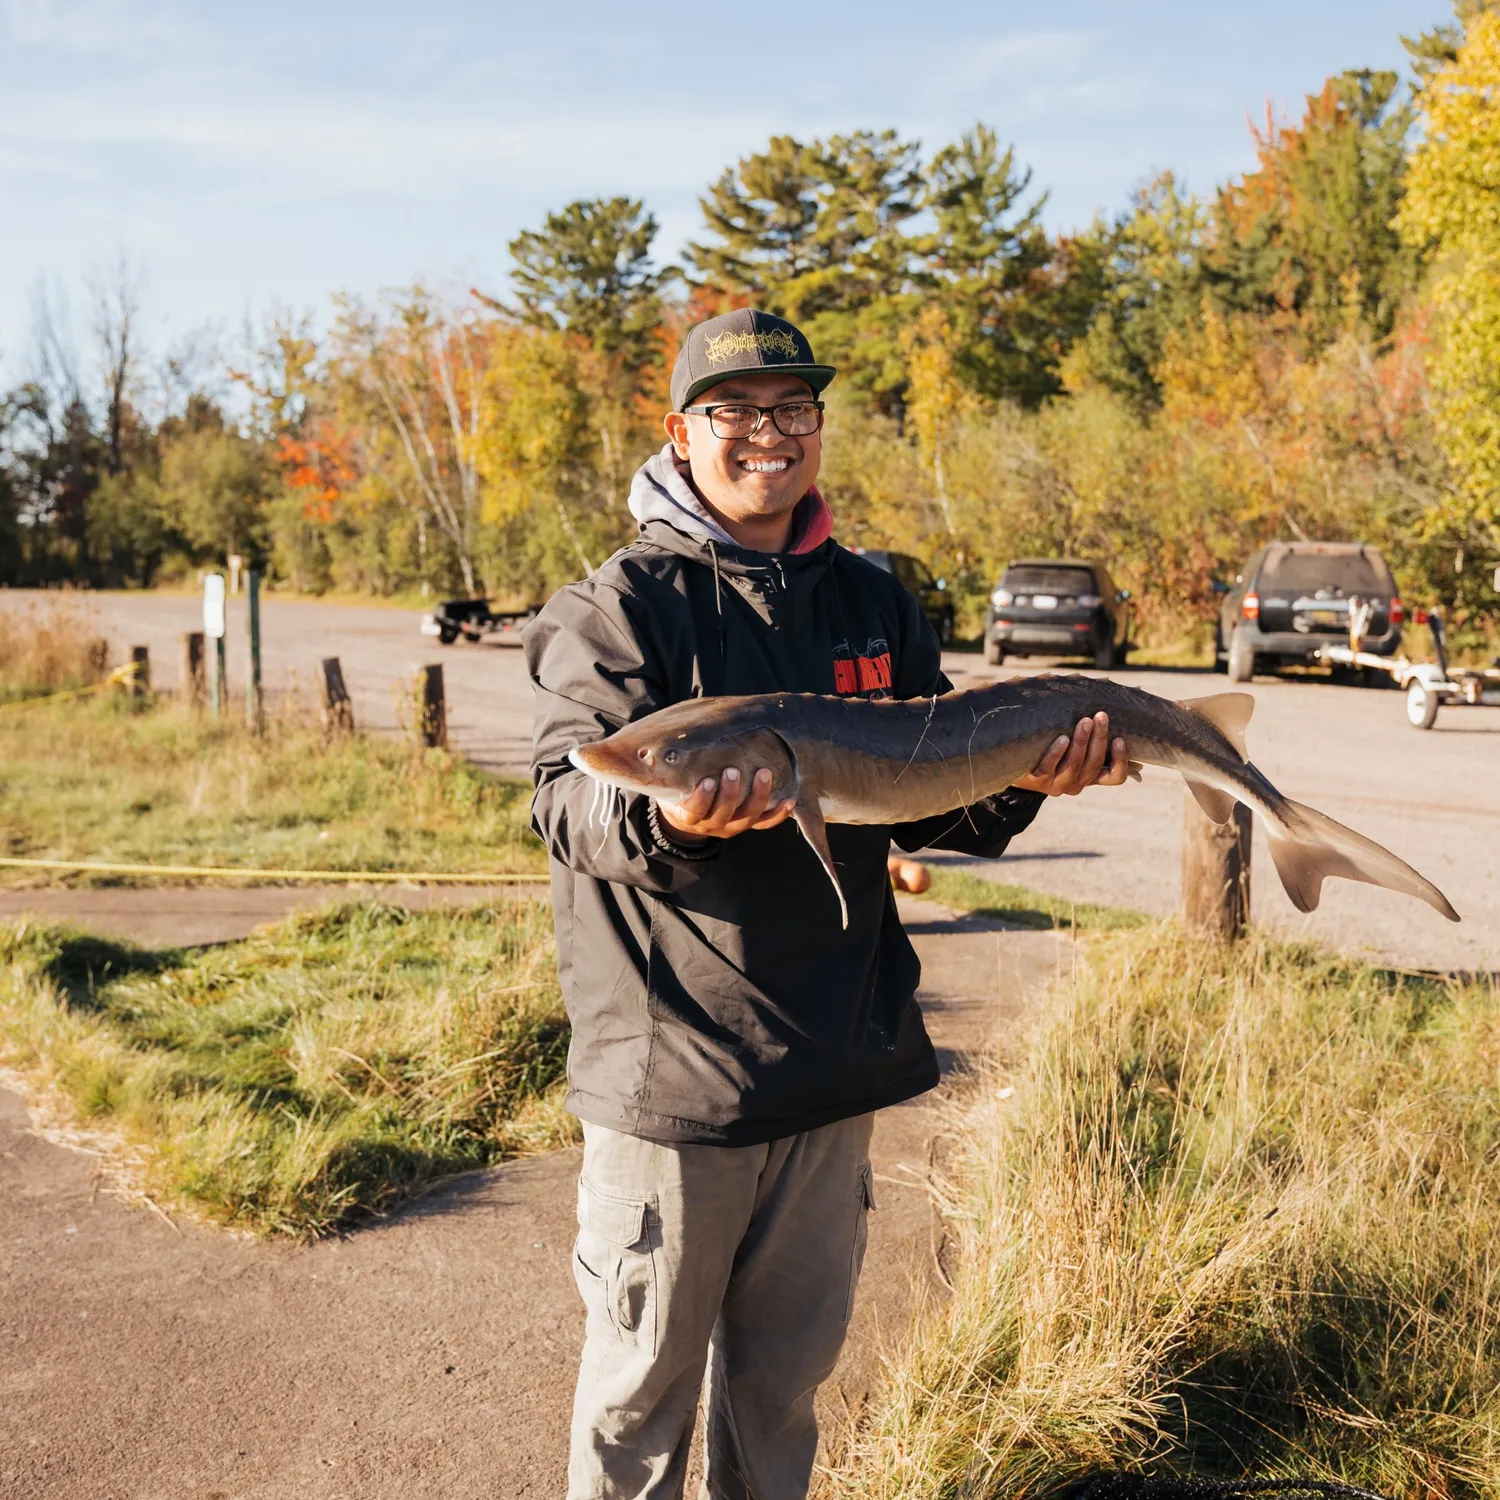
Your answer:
<point x="1070" y="765"/>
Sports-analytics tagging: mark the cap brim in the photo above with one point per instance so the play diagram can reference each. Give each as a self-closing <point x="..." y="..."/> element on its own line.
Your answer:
<point x="817" y="376"/>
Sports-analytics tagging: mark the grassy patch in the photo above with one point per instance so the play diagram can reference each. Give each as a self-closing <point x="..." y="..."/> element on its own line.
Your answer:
<point x="312" y="1074"/>
<point x="99" y="780"/>
<point x="1025" y="907"/>
<point x="50" y="646"/>
<point x="1236" y="1214"/>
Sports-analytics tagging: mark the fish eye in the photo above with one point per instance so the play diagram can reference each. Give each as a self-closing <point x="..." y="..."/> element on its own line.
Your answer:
<point x="642" y="753"/>
<point x="671" y="757"/>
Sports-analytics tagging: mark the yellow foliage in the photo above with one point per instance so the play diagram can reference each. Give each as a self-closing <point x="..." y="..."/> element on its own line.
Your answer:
<point x="1453" y="201"/>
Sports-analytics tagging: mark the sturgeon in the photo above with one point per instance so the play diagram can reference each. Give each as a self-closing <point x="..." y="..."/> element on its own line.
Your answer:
<point x="855" y="760"/>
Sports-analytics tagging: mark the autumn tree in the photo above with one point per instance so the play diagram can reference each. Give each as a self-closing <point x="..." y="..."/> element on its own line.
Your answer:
<point x="1308" y="234"/>
<point x="1453" y="205"/>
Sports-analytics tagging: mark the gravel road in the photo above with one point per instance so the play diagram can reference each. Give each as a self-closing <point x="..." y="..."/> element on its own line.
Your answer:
<point x="1433" y="798"/>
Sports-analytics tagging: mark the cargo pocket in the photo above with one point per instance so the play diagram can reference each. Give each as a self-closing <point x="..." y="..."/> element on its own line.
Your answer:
<point x="614" y="1264"/>
<point x="865" y="1201"/>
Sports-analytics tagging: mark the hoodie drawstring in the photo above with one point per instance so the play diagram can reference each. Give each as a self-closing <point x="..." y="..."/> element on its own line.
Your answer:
<point x="713" y="552"/>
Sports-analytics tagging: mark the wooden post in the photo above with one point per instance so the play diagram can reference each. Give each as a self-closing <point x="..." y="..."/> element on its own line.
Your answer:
<point x="193" y="680"/>
<point x="254" y="709"/>
<point x="1215" y="871"/>
<point x="338" y="711"/>
<point x="140" y="679"/>
<point x="432" y="711"/>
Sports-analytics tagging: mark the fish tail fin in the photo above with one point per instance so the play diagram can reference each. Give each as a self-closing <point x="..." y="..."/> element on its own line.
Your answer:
<point x="1308" y="846"/>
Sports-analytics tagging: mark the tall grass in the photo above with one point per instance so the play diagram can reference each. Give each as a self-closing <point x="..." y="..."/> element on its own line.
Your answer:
<point x="1237" y="1213"/>
<point x="50" y="646"/>
<point x="98" y="780"/>
<point x="311" y="1075"/>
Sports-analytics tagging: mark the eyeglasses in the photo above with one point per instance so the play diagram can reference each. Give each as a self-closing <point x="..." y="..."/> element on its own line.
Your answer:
<point x="792" y="418"/>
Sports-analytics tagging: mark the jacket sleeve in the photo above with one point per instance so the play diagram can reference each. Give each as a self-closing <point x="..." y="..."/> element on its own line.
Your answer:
<point x="985" y="827"/>
<point x="591" y="675"/>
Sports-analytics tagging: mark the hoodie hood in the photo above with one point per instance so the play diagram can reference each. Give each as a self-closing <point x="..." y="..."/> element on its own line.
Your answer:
<point x="661" y="491"/>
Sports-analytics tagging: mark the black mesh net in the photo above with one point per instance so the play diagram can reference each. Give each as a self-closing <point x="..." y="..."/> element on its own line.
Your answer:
<point x="1143" y="1487"/>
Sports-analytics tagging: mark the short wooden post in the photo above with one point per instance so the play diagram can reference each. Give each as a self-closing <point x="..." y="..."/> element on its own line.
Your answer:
<point x="1215" y="871"/>
<point x="338" y="711"/>
<point x="194" y="681"/>
<point x="432" y="711"/>
<point x="254" y="707"/>
<point x="140" y="677"/>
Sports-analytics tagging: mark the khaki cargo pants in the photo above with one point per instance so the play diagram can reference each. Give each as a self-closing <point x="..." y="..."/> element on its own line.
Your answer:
<point x="742" y="1260"/>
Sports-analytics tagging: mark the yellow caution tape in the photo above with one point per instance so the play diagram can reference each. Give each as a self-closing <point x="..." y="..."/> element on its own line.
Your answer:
<point x="353" y="877"/>
<point x="119" y="677"/>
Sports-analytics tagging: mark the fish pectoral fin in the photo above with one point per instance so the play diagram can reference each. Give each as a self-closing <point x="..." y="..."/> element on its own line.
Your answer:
<point x="809" y="818"/>
<point x="1133" y="770"/>
<point x="1229" y="713"/>
<point x="1217" y="806"/>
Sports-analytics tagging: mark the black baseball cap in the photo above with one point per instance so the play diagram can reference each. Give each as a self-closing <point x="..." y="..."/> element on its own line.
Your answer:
<point x="743" y="342"/>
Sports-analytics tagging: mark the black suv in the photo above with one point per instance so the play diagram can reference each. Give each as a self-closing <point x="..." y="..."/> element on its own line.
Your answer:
<point x="1293" y="597"/>
<point x="1057" y="607"/>
<point x="932" y="593"/>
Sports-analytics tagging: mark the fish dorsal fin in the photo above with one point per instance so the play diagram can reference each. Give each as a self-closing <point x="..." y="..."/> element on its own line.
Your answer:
<point x="1229" y="713"/>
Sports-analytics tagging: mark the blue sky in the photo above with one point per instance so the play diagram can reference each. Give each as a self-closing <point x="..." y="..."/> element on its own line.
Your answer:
<point x="245" y="156"/>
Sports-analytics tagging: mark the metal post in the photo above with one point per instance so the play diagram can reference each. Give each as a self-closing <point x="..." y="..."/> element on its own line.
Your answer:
<point x="432" y="711"/>
<point x="254" y="715"/>
<point x="1215" y="871"/>
<point x="220" y="686"/>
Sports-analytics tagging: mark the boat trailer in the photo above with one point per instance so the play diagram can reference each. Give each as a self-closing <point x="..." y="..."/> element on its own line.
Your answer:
<point x="1427" y="685"/>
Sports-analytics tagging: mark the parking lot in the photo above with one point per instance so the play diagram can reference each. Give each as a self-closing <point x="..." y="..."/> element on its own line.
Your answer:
<point x="1433" y="798"/>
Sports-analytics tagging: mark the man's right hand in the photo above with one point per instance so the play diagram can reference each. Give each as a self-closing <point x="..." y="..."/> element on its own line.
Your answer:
<point x="716" y="810"/>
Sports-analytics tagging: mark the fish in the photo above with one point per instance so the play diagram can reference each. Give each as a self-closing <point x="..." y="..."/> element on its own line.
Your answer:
<point x="889" y="761"/>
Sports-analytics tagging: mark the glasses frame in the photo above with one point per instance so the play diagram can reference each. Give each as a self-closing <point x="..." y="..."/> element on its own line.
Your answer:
<point x="760" y="421"/>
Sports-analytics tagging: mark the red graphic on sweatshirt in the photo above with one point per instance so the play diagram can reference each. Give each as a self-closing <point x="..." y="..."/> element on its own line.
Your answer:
<point x="867" y="675"/>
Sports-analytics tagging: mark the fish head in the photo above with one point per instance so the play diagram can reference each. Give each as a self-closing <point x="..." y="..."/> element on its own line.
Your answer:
<point x="667" y="754"/>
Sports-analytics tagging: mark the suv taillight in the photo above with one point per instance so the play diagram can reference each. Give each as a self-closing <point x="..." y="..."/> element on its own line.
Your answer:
<point x="1250" y="606"/>
<point x="1398" y="611"/>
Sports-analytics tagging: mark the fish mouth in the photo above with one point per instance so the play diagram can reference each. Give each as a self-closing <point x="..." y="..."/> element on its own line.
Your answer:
<point x="610" y="769"/>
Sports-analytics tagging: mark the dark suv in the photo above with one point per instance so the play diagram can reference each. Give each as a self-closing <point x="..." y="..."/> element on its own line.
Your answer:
<point x="932" y="593"/>
<point x="1057" y="607"/>
<point x="1293" y="597"/>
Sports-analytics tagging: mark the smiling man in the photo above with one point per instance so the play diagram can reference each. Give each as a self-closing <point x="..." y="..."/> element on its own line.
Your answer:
<point x="730" y="1039"/>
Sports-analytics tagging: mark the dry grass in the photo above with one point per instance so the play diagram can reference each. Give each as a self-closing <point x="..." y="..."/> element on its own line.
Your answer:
<point x="1236" y="1214"/>
<point x="50" y="647"/>
<point x="99" y="779"/>
<point x="310" y="1076"/>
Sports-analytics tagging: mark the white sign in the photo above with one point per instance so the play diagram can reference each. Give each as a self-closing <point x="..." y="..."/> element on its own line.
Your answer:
<point x="213" y="605"/>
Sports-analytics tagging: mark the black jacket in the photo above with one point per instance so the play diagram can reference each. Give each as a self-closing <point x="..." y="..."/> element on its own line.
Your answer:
<point x="714" y="997"/>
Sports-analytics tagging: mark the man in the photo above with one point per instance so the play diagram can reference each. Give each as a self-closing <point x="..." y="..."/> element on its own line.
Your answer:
<point x="730" y="1039"/>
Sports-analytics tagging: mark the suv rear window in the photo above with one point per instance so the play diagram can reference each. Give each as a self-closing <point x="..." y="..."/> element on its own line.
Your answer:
<point x="1049" y="581"/>
<point x="1307" y="572"/>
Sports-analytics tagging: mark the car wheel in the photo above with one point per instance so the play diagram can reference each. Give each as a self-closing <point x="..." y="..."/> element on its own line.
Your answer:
<point x="1241" y="661"/>
<point x="1104" y="655"/>
<point x="945" y="628"/>
<point x="1221" y="656"/>
<point x="994" y="652"/>
<point x="1421" y="706"/>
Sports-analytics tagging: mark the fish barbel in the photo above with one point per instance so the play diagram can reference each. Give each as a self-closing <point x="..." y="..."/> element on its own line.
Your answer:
<point x="855" y="760"/>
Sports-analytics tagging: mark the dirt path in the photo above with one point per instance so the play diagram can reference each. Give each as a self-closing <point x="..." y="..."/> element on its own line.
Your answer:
<point x="1433" y="798"/>
<point x="430" y="1355"/>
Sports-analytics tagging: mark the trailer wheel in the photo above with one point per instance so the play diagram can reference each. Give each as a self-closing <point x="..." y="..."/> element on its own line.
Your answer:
<point x="1421" y="706"/>
<point x="447" y="634"/>
<point x="1241" y="662"/>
